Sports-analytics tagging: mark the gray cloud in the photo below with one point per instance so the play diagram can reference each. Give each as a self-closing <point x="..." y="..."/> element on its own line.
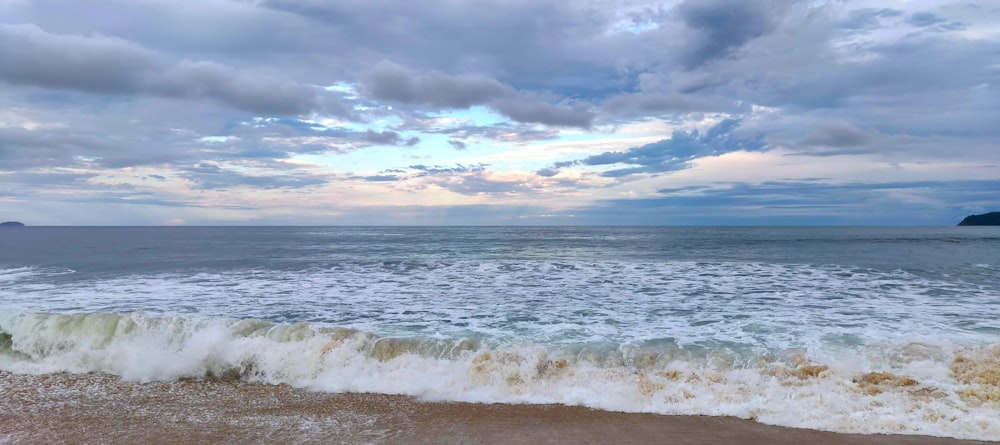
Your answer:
<point x="212" y="177"/>
<point x="388" y="81"/>
<point x="31" y="182"/>
<point x="97" y="64"/>
<point x="106" y="65"/>
<point x="836" y="134"/>
<point x="918" y="83"/>
<point x="462" y="179"/>
<point x="476" y="184"/>
<point x="380" y="178"/>
<point x="548" y="172"/>
<point x="388" y="138"/>
<point x="722" y="26"/>
<point x="922" y="19"/>
<point x="101" y="141"/>
<point x="868" y="18"/>
<point x="800" y="202"/>
<point x="504" y="132"/>
<point x="468" y="180"/>
<point x="24" y="149"/>
<point x="213" y="29"/>
<point x="433" y="215"/>
<point x="538" y="45"/>
<point x="669" y="154"/>
<point x="442" y="175"/>
<point x="653" y="104"/>
<point x="68" y="129"/>
<point x="438" y="170"/>
<point x="536" y="111"/>
<point x="246" y="91"/>
<point x="904" y="77"/>
<point x="457" y="145"/>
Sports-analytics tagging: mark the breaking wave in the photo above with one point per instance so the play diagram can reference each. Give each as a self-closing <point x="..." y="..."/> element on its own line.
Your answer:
<point x="943" y="389"/>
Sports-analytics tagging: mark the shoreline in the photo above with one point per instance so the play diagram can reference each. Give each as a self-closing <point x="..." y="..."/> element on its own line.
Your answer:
<point x="99" y="408"/>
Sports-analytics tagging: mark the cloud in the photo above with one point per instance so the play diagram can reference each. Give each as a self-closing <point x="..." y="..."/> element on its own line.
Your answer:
<point x="721" y="26"/>
<point x="425" y="171"/>
<point x="388" y="138"/>
<point x="457" y="145"/>
<point x="654" y="104"/>
<point x="503" y="132"/>
<point x="470" y="180"/>
<point x="827" y="63"/>
<point x="480" y="183"/>
<point x="103" y="142"/>
<point x="213" y="177"/>
<point x="669" y="154"/>
<point x="499" y="214"/>
<point x="24" y="182"/>
<point x="98" y="64"/>
<point x="438" y="170"/>
<point x="536" y="111"/>
<point x="243" y="90"/>
<point x="389" y="81"/>
<point x="836" y="134"/>
<point x="547" y="172"/>
<point x="108" y="65"/>
<point x="379" y="178"/>
<point x="24" y="149"/>
<point x="866" y="18"/>
<point x="529" y="45"/>
<point x="477" y="180"/>
<point x="801" y="202"/>
<point x="922" y="19"/>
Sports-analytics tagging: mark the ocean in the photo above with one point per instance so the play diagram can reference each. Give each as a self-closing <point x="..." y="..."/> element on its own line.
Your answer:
<point x="846" y="329"/>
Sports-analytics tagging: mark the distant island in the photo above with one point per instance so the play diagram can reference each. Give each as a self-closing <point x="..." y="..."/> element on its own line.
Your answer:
<point x="11" y="224"/>
<point x="986" y="219"/>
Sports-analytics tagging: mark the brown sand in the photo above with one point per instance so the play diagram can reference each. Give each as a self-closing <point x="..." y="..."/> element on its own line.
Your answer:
<point x="104" y="409"/>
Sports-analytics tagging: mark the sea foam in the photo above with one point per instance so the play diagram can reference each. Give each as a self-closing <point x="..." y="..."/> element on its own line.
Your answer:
<point x="944" y="389"/>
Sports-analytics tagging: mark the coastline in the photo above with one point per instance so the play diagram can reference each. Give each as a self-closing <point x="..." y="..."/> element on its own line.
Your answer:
<point x="98" y="408"/>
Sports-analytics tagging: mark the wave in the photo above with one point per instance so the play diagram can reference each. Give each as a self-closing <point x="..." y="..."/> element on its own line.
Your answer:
<point x="15" y="273"/>
<point x="758" y="305"/>
<point x="947" y="390"/>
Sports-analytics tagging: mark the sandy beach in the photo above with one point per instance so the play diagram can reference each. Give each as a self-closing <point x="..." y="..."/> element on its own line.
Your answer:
<point x="97" y="408"/>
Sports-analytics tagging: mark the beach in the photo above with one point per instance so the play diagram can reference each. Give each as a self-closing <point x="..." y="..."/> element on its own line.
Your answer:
<point x="99" y="408"/>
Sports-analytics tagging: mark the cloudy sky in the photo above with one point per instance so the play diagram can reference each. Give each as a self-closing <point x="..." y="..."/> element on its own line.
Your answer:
<point x="120" y="112"/>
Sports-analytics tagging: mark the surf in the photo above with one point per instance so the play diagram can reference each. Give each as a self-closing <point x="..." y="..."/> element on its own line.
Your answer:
<point x="946" y="389"/>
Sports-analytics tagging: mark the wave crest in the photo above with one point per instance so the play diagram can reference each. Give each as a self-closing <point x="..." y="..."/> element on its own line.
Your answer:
<point x="944" y="390"/>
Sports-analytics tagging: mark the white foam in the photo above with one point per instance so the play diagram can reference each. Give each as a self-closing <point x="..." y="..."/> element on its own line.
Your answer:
<point x="15" y="273"/>
<point x="927" y="392"/>
<point x="755" y="306"/>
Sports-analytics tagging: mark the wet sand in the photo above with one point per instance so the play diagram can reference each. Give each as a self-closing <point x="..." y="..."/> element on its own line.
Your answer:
<point x="104" y="409"/>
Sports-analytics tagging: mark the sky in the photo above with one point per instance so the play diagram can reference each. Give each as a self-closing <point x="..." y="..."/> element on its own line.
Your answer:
<point x="499" y="112"/>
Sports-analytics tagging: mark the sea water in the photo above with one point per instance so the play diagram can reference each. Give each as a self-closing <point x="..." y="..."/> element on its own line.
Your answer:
<point x="862" y="330"/>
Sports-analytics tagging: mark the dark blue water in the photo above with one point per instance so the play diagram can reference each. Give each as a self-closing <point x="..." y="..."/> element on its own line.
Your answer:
<point x="128" y="250"/>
